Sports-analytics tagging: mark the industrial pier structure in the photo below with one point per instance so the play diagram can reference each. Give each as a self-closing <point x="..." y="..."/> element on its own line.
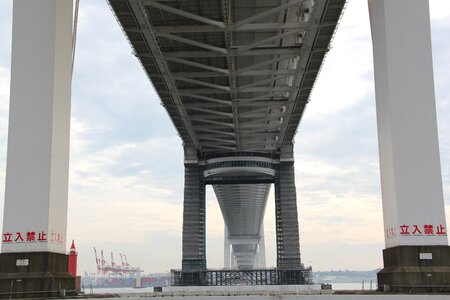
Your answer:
<point x="105" y="268"/>
<point x="235" y="77"/>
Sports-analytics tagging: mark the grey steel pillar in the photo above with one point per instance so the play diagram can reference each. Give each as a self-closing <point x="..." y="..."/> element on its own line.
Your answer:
<point x="194" y="251"/>
<point x="288" y="249"/>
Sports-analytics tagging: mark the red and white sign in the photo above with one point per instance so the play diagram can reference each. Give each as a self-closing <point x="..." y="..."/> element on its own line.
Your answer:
<point x="33" y="237"/>
<point x="416" y="230"/>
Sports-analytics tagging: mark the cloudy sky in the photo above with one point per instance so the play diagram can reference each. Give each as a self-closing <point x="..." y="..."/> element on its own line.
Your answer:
<point x="126" y="162"/>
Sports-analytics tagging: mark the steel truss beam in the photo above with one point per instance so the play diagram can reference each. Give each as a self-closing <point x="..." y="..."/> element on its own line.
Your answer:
<point x="262" y="64"/>
<point x="252" y="104"/>
<point x="221" y="132"/>
<point x="199" y="65"/>
<point x="268" y="40"/>
<point x="237" y="90"/>
<point x="193" y="43"/>
<point x="266" y="96"/>
<point x="268" y="13"/>
<point x="241" y="74"/>
<point x="221" y="140"/>
<point x="262" y="82"/>
<point x="211" y="111"/>
<point x="239" y="50"/>
<point x="215" y="136"/>
<point x="203" y="83"/>
<point x="219" y="24"/>
<point x="288" y="50"/>
<point x="183" y="13"/>
<point x="216" y="146"/>
<point x="150" y="38"/>
<point x="264" y="27"/>
<point x="213" y="122"/>
<point x="206" y="105"/>
<point x="206" y="98"/>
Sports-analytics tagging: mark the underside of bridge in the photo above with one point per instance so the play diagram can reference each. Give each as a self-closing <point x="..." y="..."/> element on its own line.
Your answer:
<point x="235" y="77"/>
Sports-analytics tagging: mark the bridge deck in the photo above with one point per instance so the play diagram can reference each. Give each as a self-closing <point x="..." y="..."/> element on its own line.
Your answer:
<point x="233" y="75"/>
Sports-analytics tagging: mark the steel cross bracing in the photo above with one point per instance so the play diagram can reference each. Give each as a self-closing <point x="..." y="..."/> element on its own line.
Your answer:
<point x="234" y="76"/>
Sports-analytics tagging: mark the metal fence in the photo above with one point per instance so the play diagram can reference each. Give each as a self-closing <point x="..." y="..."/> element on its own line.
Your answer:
<point x="241" y="277"/>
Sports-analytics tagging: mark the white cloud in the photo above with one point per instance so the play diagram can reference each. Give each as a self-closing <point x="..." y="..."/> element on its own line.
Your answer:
<point x="338" y="205"/>
<point x="107" y="209"/>
<point x="440" y="10"/>
<point x="346" y="76"/>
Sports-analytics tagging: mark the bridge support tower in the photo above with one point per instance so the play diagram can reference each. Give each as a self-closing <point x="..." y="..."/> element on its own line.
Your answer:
<point x="230" y="171"/>
<point x="194" y="252"/>
<point x="33" y="257"/>
<point x="417" y="255"/>
<point x="286" y="218"/>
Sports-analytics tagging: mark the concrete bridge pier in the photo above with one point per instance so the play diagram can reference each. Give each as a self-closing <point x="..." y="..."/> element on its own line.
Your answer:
<point x="260" y="256"/>
<point x="226" y="249"/>
<point x="33" y="254"/>
<point x="261" y="249"/>
<point x="417" y="255"/>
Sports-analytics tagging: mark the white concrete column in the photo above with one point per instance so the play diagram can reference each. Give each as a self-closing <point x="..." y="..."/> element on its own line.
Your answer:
<point x="226" y="249"/>
<point x="411" y="183"/>
<point x="35" y="213"/>
<point x="262" y="248"/>
<point x="233" y="259"/>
